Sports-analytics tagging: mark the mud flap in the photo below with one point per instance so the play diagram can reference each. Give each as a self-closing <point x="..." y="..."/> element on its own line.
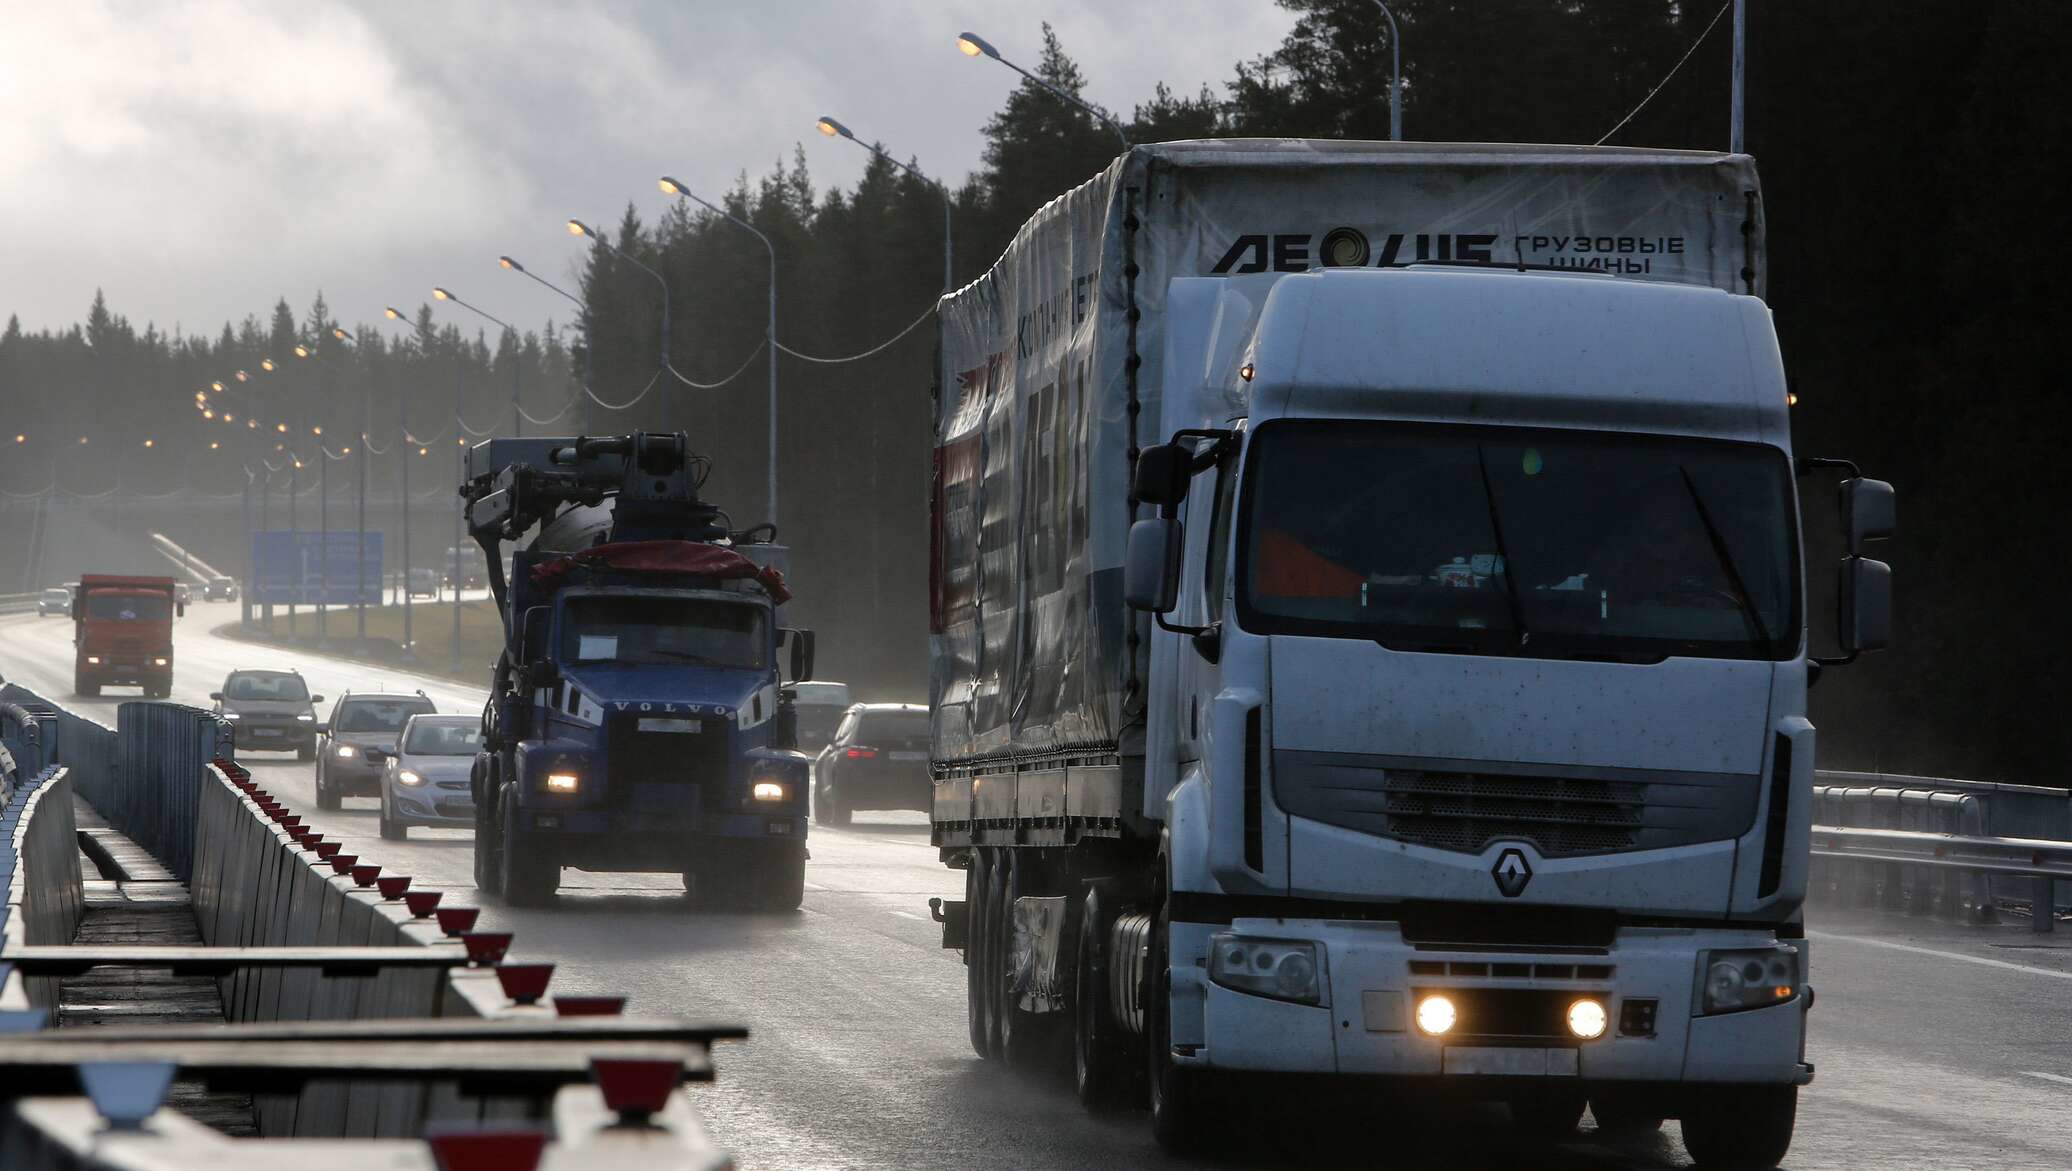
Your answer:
<point x="1039" y="928"/>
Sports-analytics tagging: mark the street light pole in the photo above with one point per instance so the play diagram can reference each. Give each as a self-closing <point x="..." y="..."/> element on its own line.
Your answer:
<point x="1395" y="74"/>
<point x="403" y="466"/>
<point x="834" y="129"/>
<point x="588" y="349"/>
<point x="579" y="228"/>
<point x="316" y="431"/>
<point x="1735" y="137"/>
<point x="360" y="523"/>
<point x="672" y="187"/>
<point x="973" y="45"/>
<point x="517" y="352"/>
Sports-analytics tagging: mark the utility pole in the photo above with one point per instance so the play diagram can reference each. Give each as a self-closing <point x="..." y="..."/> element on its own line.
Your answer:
<point x="1736" y="140"/>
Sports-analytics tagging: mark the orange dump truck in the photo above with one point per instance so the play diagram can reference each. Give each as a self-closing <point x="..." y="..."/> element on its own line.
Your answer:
<point x="122" y="633"/>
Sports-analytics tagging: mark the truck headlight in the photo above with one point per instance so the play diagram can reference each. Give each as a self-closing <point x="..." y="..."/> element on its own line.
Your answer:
<point x="160" y="661"/>
<point x="347" y="750"/>
<point x="562" y="782"/>
<point x="405" y="777"/>
<point x="93" y="660"/>
<point x="233" y="715"/>
<point x="1279" y="968"/>
<point x="768" y="791"/>
<point x="1748" y="977"/>
<point x="1436" y="1014"/>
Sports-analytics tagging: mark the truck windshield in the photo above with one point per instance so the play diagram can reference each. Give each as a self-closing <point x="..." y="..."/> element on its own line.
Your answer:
<point x="129" y="607"/>
<point x="645" y="629"/>
<point x="1507" y="541"/>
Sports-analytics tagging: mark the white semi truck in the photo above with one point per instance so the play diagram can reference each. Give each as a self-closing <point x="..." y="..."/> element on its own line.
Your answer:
<point x="1369" y="636"/>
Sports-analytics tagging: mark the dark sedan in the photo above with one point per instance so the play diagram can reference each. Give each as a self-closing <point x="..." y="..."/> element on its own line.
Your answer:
<point x="270" y="710"/>
<point x="358" y="740"/>
<point x="877" y="760"/>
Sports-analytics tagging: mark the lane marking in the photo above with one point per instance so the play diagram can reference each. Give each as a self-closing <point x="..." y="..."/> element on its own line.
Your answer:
<point x="906" y="915"/>
<point x="2059" y="1078"/>
<point x="1913" y="949"/>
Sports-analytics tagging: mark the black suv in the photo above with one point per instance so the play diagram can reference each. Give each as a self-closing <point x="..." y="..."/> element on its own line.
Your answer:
<point x="358" y="739"/>
<point x="270" y="709"/>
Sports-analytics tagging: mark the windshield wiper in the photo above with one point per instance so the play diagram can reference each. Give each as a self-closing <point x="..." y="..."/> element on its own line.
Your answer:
<point x="1496" y="531"/>
<point x="1726" y="560"/>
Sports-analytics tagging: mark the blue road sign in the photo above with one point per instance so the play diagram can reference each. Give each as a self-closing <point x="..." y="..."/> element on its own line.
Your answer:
<point x="295" y="567"/>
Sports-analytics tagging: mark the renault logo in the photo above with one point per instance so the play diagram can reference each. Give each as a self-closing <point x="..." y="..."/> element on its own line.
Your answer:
<point x="1511" y="872"/>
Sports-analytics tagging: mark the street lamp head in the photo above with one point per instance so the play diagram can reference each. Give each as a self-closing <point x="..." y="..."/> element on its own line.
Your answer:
<point x="82" y="441"/>
<point x="392" y="313"/>
<point x="281" y="427"/>
<point x="213" y="445"/>
<point x="509" y="263"/>
<point x="424" y="451"/>
<point x="302" y="351"/>
<point x="151" y="443"/>
<point x="440" y="294"/>
<point x="253" y="424"/>
<point x="217" y="386"/>
<point x="833" y="129"/>
<point x="206" y="414"/>
<point x="339" y="333"/>
<point x="316" y="430"/>
<point x="243" y="377"/>
<point x="669" y="186"/>
<point x="974" y="45"/>
<point x="266" y="363"/>
<point x="579" y="228"/>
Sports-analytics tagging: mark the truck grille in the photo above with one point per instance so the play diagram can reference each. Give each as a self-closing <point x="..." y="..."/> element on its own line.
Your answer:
<point x="636" y="758"/>
<point x="1465" y="811"/>
<point x="1563" y="811"/>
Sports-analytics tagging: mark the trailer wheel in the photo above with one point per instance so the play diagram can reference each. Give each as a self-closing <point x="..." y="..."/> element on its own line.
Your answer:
<point x="977" y="877"/>
<point x="1099" y="1077"/>
<point x="527" y="879"/>
<point x="1741" y="1128"/>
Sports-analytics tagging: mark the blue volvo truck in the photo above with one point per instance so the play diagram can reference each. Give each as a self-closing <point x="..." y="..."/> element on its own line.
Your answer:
<point x="639" y="719"/>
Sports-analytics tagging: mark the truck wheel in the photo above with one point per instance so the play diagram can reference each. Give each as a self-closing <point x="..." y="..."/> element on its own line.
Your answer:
<point x="998" y="927"/>
<point x="326" y="798"/>
<point x="1183" y="1114"/>
<point x="1098" y="1072"/>
<point x="489" y="865"/>
<point x="976" y="875"/>
<point x="1741" y="1128"/>
<point x="1546" y="1114"/>
<point x="780" y="881"/>
<point x="527" y="879"/>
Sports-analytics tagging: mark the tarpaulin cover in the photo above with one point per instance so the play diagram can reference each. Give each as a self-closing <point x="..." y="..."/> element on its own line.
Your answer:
<point x="686" y="557"/>
<point x="1029" y="640"/>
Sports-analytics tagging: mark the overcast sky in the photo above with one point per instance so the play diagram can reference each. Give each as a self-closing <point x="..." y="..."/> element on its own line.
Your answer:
<point x="199" y="159"/>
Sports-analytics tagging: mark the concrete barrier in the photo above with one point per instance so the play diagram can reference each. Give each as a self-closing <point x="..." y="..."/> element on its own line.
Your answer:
<point x="39" y="871"/>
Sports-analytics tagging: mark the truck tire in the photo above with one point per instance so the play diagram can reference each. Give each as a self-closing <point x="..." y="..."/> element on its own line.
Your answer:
<point x="1183" y="1112"/>
<point x="1741" y="1128"/>
<point x="327" y="799"/>
<point x="83" y="687"/>
<point x="1546" y="1114"/>
<point x="1099" y="1071"/>
<point x="780" y="880"/>
<point x="489" y="864"/>
<point x="527" y="879"/>
<point x="976" y="875"/>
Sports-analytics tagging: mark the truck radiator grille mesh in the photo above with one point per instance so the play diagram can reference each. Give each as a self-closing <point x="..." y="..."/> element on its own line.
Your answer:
<point x="1464" y="811"/>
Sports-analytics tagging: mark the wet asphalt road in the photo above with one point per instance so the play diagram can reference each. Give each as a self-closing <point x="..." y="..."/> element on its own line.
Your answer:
<point x="1937" y="1047"/>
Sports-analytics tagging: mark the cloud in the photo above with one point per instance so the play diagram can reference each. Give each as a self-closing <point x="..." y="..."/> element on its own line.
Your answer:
<point x="198" y="160"/>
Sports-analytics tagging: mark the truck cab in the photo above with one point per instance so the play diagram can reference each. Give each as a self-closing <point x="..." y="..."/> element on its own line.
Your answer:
<point x="1483" y="752"/>
<point x="123" y="633"/>
<point x="640" y="719"/>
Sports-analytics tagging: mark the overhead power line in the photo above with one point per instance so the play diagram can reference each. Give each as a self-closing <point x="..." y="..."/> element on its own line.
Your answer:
<point x="1667" y="76"/>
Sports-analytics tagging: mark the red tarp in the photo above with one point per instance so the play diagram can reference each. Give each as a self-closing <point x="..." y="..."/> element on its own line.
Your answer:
<point x="687" y="557"/>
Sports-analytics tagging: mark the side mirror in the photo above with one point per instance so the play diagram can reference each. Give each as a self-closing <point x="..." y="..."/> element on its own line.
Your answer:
<point x="323" y="729"/>
<point x="800" y="643"/>
<point x="533" y="637"/>
<point x="1866" y="605"/>
<point x="314" y="700"/>
<point x="217" y="696"/>
<point x="1869" y="512"/>
<point x="1151" y="565"/>
<point x="1162" y="473"/>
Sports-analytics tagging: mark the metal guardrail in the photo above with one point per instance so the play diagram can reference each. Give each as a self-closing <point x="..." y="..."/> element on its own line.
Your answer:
<point x="17" y="603"/>
<point x="2043" y="862"/>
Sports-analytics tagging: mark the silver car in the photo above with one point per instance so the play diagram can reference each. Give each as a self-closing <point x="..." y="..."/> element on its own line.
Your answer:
<point x="425" y="781"/>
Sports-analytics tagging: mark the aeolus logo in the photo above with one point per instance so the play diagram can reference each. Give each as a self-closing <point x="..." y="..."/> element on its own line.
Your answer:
<point x="1348" y="247"/>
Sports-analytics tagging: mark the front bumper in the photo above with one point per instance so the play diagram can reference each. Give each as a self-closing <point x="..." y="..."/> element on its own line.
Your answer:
<point x="273" y="734"/>
<point x="354" y="776"/>
<point x="1367" y="1026"/>
<point x="622" y="841"/>
<point x="440" y="803"/>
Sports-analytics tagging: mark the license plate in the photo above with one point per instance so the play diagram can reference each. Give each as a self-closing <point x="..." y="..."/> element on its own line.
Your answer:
<point x="780" y="828"/>
<point x="1504" y="1061"/>
<point x="910" y="756"/>
<point x="266" y="731"/>
<point x="669" y="724"/>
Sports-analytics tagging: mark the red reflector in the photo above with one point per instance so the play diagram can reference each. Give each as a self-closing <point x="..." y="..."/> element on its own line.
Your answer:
<point x="524" y="983"/>
<point x="423" y="902"/>
<point x="635" y="1089"/>
<point x="364" y="875"/>
<point x="510" y="1148"/>
<point x="327" y="850"/>
<point x="454" y="920"/>
<point x="589" y="1005"/>
<point x="392" y="886"/>
<point x="861" y="753"/>
<point x="343" y="863"/>
<point x="485" y="947"/>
